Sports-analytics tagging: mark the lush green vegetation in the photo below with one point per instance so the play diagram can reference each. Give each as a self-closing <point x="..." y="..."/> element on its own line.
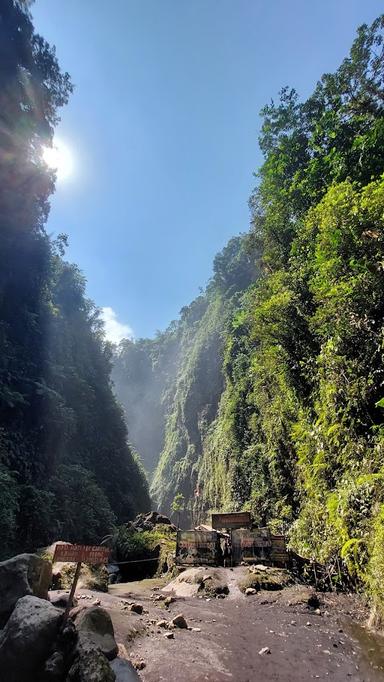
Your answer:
<point x="276" y="403"/>
<point x="65" y="468"/>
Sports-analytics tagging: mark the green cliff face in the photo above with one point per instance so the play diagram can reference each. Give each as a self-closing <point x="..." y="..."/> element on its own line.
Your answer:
<point x="171" y="395"/>
<point x="275" y="400"/>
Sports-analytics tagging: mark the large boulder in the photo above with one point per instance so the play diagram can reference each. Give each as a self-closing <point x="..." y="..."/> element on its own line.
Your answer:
<point x="149" y="521"/>
<point x="91" y="577"/>
<point x="90" y="665"/>
<point x="163" y="519"/>
<point x="265" y="578"/>
<point x="25" y="574"/>
<point x="27" y="639"/>
<point x="95" y="626"/>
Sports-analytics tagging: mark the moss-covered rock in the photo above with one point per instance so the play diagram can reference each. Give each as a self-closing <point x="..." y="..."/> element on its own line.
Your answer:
<point x="265" y="578"/>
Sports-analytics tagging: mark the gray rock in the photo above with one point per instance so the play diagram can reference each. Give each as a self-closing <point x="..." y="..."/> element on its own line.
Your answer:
<point x="90" y="665"/>
<point x="27" y="639"/>
<point x="95" y="625"/>
<point x="124" y="670"/>
<point x="162" y="623"/>
<point x="163" y="519"/>
<point x="250" y="590"/>
<point x="25" y="574"/>
<point x="136" y="608"/>
<point x="179" y="621"/>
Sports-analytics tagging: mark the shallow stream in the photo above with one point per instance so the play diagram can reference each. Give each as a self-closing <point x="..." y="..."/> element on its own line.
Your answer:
<point x="370" y="645"/>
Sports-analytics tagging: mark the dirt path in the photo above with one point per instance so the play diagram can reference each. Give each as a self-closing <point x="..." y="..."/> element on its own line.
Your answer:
<point x="303" y="645"/>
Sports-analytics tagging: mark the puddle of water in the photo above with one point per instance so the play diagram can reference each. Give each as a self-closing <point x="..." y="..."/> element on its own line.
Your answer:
<point x="371" y="645"/>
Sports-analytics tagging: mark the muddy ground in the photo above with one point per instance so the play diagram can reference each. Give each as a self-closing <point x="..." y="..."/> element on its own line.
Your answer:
<point x="302" y="644"/>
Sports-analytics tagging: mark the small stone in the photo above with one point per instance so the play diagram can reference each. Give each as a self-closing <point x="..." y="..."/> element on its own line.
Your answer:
<point x="139" y="665"/>
<point x="326" y="651"/>
<point x="162" y="624"/>
<point x="96" y="602"/>
<point x="169" y="600"/>
<point x="209" y="599"/>
<point x="136" y="608"/>
<point x="318" y="612"/>
<point x="179" y="621"/>
<point x="250" y="590"/>
<point x="169" y="635"/>
<point x="220" y="596"/>
<point x="308" y="624"/>
<point x="293" y="622"/>
<point x="195" y="629"/>
<point x="264" y="650"/>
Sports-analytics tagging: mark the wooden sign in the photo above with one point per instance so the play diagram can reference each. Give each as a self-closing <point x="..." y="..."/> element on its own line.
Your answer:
<point x="88" y="554"/>
<point x="231" y="520"/>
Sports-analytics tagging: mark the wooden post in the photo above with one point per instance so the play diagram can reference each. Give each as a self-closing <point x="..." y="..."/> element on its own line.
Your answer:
<point x="177" y="545"/>
<point x="72" y="592"/>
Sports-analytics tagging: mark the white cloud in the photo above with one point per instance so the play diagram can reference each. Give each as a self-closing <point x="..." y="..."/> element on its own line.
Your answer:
<point x="115" y="331"/>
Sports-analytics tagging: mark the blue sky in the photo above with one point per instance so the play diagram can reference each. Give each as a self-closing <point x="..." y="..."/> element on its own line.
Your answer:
<point x="163" y="127"/>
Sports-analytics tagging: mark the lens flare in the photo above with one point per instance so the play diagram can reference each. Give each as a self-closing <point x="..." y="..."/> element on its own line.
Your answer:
<point x="59" y="158"/>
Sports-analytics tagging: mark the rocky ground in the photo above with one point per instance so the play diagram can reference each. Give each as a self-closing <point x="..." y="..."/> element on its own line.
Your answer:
<point x="215" y="624"/>
<point x="265" y="636"/>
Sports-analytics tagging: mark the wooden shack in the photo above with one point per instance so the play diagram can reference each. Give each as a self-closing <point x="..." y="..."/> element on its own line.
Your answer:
<point x="248" y="544"/>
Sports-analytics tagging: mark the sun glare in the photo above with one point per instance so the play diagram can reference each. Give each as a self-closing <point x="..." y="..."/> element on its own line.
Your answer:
<point x="59" y="158"/>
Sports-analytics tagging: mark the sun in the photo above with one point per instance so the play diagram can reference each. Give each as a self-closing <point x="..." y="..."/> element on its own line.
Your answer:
<point x="59" y="158"/>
